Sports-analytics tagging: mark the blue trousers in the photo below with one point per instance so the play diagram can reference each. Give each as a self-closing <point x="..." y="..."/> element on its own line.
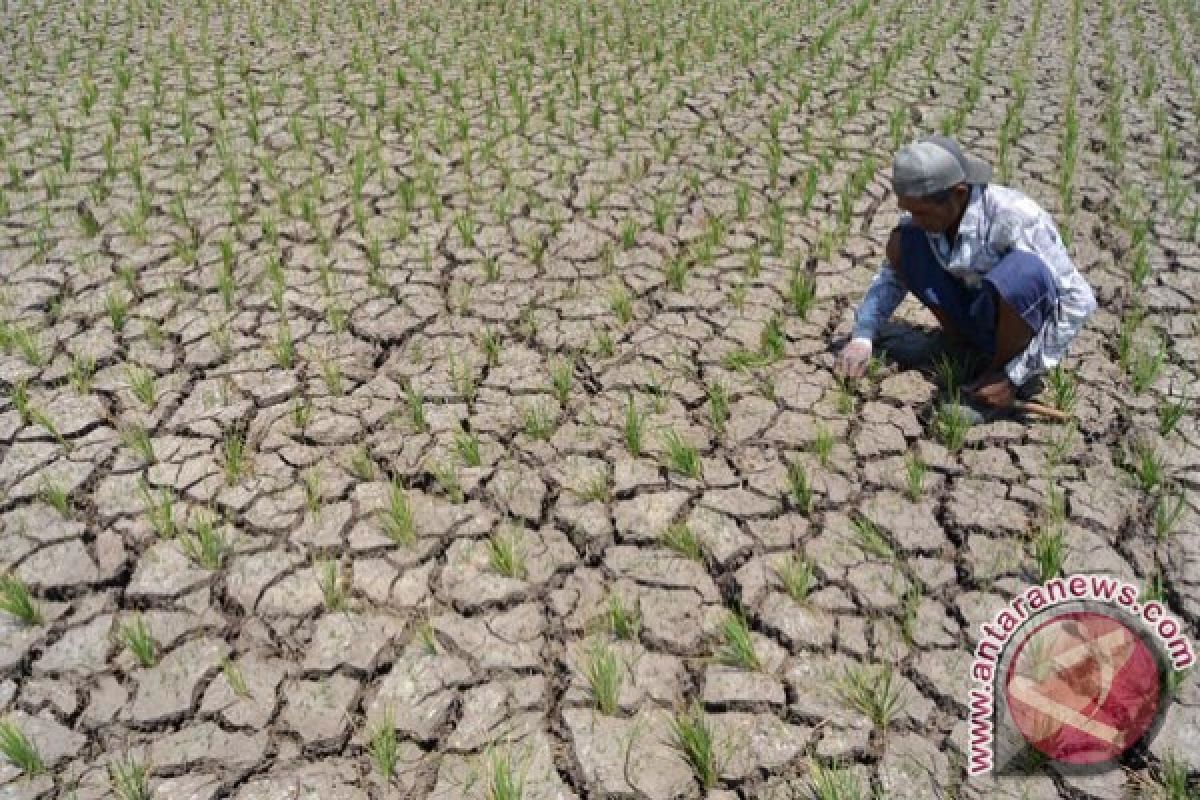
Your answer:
<point x="1021" y="279"/>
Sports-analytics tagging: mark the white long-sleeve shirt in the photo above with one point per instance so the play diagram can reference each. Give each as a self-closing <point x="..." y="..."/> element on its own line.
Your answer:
<point x="997" y="219"/>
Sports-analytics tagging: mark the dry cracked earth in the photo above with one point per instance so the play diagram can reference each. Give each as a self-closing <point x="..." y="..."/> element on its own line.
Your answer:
<point x="436" y="400"/>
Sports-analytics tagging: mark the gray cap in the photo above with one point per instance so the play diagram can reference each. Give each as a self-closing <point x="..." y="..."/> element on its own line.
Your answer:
<point x="933" y="164"/>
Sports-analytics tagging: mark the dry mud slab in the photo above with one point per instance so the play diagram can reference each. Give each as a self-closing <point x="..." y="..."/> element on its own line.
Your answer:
<point x="435" y="400"/>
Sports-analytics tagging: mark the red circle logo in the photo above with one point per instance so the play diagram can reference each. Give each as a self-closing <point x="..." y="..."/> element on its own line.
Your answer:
<point x="1083" y="688"/>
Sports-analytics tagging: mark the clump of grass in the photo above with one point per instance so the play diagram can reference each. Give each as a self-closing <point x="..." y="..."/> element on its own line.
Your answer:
<point x="621" y="620"/>
<point x="1170" y="414"/>
<point x="20" y="751"/>
<point x="16" y="601"/>
<point x="506" y="555"/>
<point x="1049" y="551"/>
<point x="136" y="637"/>
<point x="802" y="292"/>
<point x="950" y="425"/>
<point x="130" y="779"/>
<point x="833" y="783"/>
<point x="329" y="577"/>
<point x="141" y="383"/>
<point x="415" y="402"/>
<point x="1167" y="510"/>
<point x="796" y="575"/>
<point x="737" y="645"/>
<point x="1148" y="466"/>
<point x="383" y="747"/>
<point x="137" y="439"/>
<point x="561" y="379"/>
<point x="680" y="538"/>
<point x="800" y="487"/>
<point x="234" y="459"/>
<point x="56" y="496"/>
<point x="910" y="606"/>
<point x="1063" y="388"/>
<point x="693" y="736"/>
<point x="718" y="405"/>
<point x="822" y="445"/>
<point x="870" y="539"/>
<point x="604" y="674"/>
<point x="398" y="522"/>
<point x="635" y="424"/>
<point x="538" y="422"/>
<point x="505" y="781"/>
<point x="681" y="456"/>
<point x="362" y="466"/>
<point x="874" y="692"/>
<point x="914" y="475"/>
<point x="160" y="509"/>
<point x="205" y="544"/>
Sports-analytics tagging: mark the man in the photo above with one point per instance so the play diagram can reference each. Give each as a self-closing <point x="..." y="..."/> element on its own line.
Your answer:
<point x="986" y="260"/>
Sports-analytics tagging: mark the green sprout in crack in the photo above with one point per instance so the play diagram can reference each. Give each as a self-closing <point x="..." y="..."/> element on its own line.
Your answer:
<point x="681" y="457"/>
<point x="130" y="779"/>
<point x="871" y="539"/>
<point x="693" y="736"/>
<point x="604" y="673"/>
<point x="17" y="602"/>
<point x="875" y="692"/>
<point x="506" y="555"/>
<point x="737" y="644"/>
<point x="19" y="750"/>
<point x="797" y="577"/>
<point x="135" y="635"/>
<point x="680" y="538"/>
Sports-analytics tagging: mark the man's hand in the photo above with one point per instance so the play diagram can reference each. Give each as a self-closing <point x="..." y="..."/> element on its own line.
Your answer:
<point x="852" y="361"/>
<point x="993" y="389"/>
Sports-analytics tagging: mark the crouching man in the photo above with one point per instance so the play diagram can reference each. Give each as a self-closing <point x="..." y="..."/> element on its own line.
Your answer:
<point x="987" y="261"/>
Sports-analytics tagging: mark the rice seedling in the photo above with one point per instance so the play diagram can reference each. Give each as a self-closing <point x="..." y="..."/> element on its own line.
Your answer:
<point x="383" y="747"/>
<point x="18" y="396"/>
<point x="506" y="555"/>
<point x="55" y="495"/>
<point x="539" y="422"/>
<point x="81" y="373"/>
<point x="331" y="373"/>
<point x="822" y="445"/>
<point x="833" y="783"/>
<point x="284" y="348"/>
<point x="1167" y="511"/>
<point x="117" y="308"/>
<point x="130" y="779"/>
<point x="797" y="576"/>
<point x="621" y="304"/>
<point x="718" y="405"/>
<point x="362" y="465"/>
<point x="205" y="544"/>
<point x="914" y="475"/>
<point x="329" y="578"/>
<point x="398" y="521"/>
<point x="737" y="644"/>
<point x="1049" y="551"/>
<point x="561" y="375"/>
<point x="17" y="602"/>
<point x="693" y="736"/>
<point x="446" y="476"/>
<point x="679" y="537"/>
<point x="1063" y="388"/>
<point x="1148" y="466"/>
<point x="874" y="692"/>
<point x="235" y="460"/>
<point x="681" y="457"/>
<point x="1145" y="365"/>
<point x="415" y="402"/>
<point x="802" y="293"/>
<point x="28" y="343"/>
<point x="799" y="487"/>
<point x="620" y="619"/>
<point x="871" y="539"/>
<point x="234" y="677"/>
<point x="950" y="425"/>
<point x="19" y="750"/>
<point x="604" y="673"/>
<point x="142" y="384"/>
<point x="160" y="509"/>
<point x="505" y="780"/>
<point x="466" y="444"/>
<point x="1170" y="414"/>
<point x="136" y="637"/>
<point x="635" y="423"/>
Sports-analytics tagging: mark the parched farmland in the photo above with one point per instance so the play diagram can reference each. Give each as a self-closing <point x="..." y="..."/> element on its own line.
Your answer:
<point x="436" y="400"/>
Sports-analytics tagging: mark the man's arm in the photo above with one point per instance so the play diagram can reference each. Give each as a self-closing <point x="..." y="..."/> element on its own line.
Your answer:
<point x="1076" y="302"/>
<point x="883" y="296"/>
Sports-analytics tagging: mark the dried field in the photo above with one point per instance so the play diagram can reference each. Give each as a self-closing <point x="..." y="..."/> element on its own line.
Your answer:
<point x="436" y="399"/>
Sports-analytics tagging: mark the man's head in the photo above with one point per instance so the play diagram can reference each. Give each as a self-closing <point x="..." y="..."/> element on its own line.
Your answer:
<point x="932" y="179"/>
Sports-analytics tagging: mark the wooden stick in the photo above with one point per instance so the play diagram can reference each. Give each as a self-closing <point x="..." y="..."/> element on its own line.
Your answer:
<point x="1038" y="409"/>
